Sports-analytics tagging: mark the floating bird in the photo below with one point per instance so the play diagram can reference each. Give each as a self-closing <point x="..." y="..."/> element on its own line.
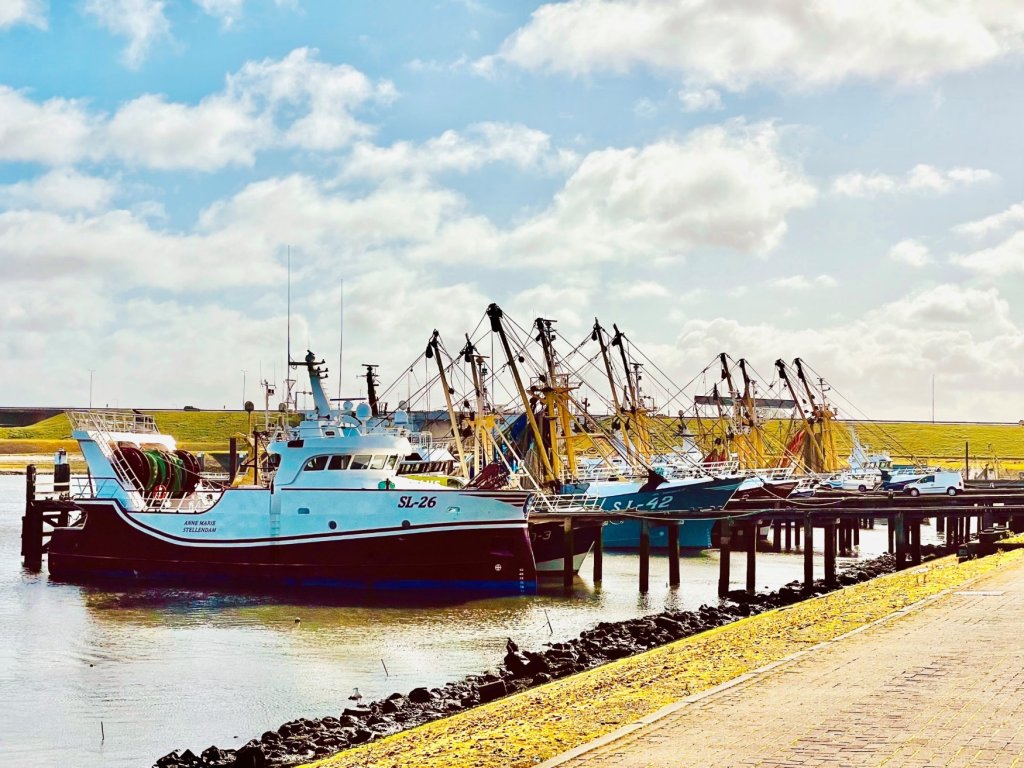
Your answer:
<point x="356" y="696"/>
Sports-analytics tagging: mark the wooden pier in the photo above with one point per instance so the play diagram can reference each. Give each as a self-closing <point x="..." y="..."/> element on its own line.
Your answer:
<point x="840" y="517"/>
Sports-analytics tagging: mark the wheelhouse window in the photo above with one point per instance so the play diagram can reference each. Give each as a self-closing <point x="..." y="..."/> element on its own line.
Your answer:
<point x="377" y="462"/>
<point x="392" y="461"/>
<point x="339" y="462"/>
<point x="316" y="464"/>
<point x="360" y="462"/>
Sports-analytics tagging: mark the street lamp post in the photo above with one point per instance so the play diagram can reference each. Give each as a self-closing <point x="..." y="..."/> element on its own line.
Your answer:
<point x="91" y="372"/>
<point x="243" y="387"/>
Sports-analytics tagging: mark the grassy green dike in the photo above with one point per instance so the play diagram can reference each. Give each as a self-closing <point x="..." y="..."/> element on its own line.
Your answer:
<point x="535" y="725"/>
<point x="939" y="443"/>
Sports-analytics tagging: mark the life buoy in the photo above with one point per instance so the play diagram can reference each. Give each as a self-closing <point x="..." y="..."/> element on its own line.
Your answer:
<point x="159" y="492"/>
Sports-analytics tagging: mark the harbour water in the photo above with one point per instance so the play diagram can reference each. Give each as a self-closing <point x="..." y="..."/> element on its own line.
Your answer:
<point x="166" y="668"/>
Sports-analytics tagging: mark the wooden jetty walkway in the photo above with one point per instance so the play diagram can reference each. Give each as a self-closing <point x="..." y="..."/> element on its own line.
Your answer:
<point x="940" y="685"/>
<point x="793" y="521"/>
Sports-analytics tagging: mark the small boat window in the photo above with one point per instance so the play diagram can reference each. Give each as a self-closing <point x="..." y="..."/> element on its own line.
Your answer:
<point x="392" y="460"/>
<point x="316" y="464"/>
<point x="377" y="462"/>
<point x="360" y="462"/>
<point x="339" y="462"/>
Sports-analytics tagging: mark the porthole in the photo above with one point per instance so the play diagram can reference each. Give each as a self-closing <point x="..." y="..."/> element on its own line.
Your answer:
<point x="332" y="525"/>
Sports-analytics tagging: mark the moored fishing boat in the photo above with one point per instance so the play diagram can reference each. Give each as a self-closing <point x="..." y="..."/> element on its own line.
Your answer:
<point x="326" y="507"/>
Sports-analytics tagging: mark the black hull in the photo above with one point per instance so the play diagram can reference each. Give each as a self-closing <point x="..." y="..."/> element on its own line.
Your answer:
<point x="474" y="557"/>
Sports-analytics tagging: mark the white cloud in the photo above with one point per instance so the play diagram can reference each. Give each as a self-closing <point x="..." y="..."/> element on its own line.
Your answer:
<point x="32" y="12"/>
<point x="802" y="282"/>
<point x="645" y="289"/>
<point x="228" y="11"/>
<point x="920" y="178"/>
<point x="645" y="108"/>
<point x="1005" y="258"/>
<point x="994" y="223"/>
<point x="294" y="102"/>
<point x="732" y="44"/>
<point x="56" y="131"/>
<point x="704" y="100"/>
<point x="59" y="190"/>
<point x="883" y="362"/>
<point x="141" y="21"/>
<point x="911" y="252"/>
<point x="722" y="186"/>
<point x="478" y="145"/>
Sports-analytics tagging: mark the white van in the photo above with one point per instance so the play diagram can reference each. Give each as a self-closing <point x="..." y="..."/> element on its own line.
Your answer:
<point x="949" y="483"/>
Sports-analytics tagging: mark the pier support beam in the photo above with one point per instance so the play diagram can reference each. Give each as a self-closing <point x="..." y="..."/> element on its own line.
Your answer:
<point x="645" y="556"/>
<point x="777" y="536"/>
<point x="752" y="558"/>
<point x="599" y="554"/>
<point x="567" y="555"/>
<point x="32" y="524"/>
<point x="856" y="532"/>
<point x="789" y="535"/>
<point x="890" y="524"/>
<point x="940" y="524"/>
<point x="673" y="554"/>
<point x="725" y="556"/>
<point x="901" y="540"/>
<point x="830" y="553"/>
<point x="915" y="542"/>
<point x="808" y="555"/>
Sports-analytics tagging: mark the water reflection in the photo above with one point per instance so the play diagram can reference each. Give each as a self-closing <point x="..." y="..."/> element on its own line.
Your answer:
<point x="171" y="667"/>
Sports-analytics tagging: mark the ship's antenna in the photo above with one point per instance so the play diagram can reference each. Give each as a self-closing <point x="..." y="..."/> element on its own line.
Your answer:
<point x="341" y="331"/>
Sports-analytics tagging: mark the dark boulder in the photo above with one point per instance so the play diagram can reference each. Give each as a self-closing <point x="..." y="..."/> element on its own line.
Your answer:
<point x="420" y="696"/>
<point x="250" y="756"/>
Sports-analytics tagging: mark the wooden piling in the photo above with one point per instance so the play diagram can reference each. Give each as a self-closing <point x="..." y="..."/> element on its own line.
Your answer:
<point x="673" y="554"/>
<point x="725" y="556"/>
<point x="890" y="524"/>
<point x="776" y="536"/>
<point x="789" y="535"/>
<point x="808" y="554"/>
<point x="32" y="524"/>
<point x="752" y="558"/>
<point x="830" y="553"/>
<point x="967" y="528"/>
<point x="645" y="556"/>
<point x="599" y="555"/>
<point x="940" y="524"/>
<point x="855" y="529"/>
<point x="567" y="554"/>
<point x="915" y="542"/>
<point x="901" y="540"/>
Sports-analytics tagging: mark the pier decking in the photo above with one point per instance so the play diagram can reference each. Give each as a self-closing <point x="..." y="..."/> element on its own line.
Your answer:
<point x="942" y="685"/>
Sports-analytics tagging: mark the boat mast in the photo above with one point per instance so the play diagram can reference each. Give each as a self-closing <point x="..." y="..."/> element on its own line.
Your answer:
<point x="598" y="336"/>
<point x="434" y="351"/>
<point x="555" y="399"/>
<point x="495" y="314"/>
<point x="469" y="354"/>
<point x="371" y="388"/>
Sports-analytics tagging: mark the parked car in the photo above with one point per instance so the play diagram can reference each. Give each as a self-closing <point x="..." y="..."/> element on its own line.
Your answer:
<point x="949" y="483"/>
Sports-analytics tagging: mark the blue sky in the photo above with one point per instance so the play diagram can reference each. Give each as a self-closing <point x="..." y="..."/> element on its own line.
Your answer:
<point x="837" y="182"/>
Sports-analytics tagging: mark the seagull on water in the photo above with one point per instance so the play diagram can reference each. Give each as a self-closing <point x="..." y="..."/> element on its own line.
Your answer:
<point x="356" y="696"/>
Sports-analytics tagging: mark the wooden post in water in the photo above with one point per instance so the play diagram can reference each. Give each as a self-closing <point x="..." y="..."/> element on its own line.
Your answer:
<point x="890" y="524"/>
<point x="777" y="536"/>
<point x="645" y="555"/>
<point x="32" y="524"/>
<point x="855" y="528"/>
<point x="915" y="542"/>
<point x="599" y="554"/>
<point x="967" y="528"/>
<point x="673" y="554"/>
<point x="789" y="535"/>
<point x="808" y="553"/>
<point x="952" y="534"/>
<point x="752" y="558"/>
<point x="724" y="556"/>
<point x="901" y="540"/>
<point x="567" y="554"/>
<point x="830" y="553"/>
<point x="940" y="524"/>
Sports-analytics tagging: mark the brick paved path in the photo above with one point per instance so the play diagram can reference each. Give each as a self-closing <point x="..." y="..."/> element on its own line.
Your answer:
<point x="941" y="686"/>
